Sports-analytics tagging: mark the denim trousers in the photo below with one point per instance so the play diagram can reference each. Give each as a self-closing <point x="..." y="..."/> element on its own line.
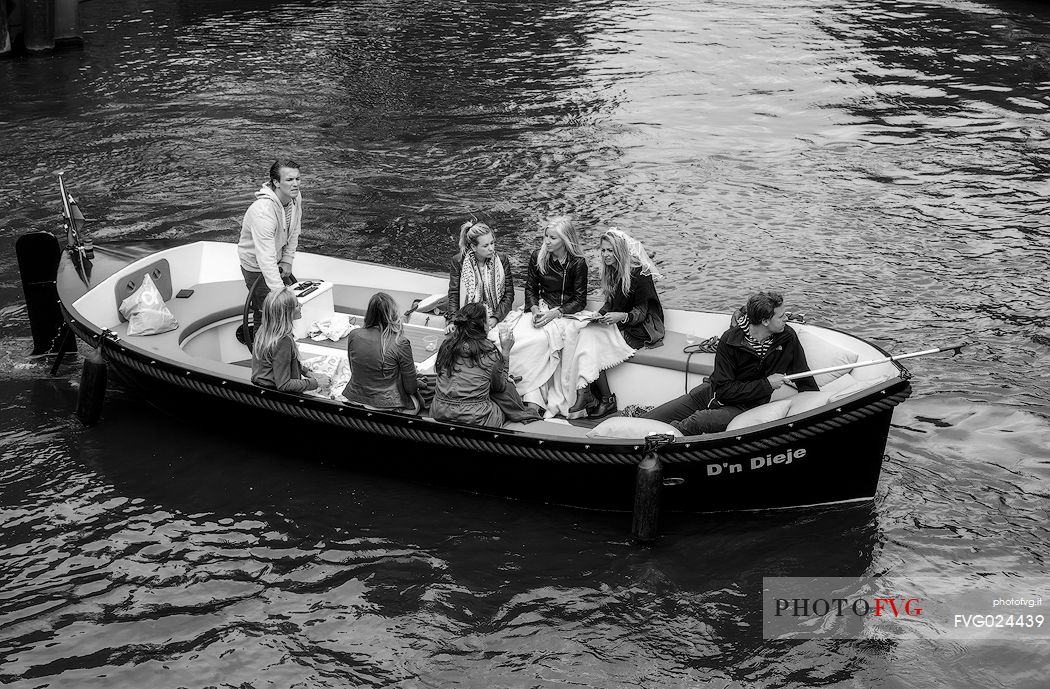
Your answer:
<point x="693" y="413"/>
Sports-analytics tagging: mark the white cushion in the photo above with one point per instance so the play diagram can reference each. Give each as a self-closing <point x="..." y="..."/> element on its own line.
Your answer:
<point x="840" y="383"/>
<point x="771" y="411"/>
<point x="822" y="354"/>
<point x="631" y="427"/>
<point x="783" y="392"/>
<point x="808" y="400"/>
<point x="875" y="372"/>
<point x="846" y="392"/>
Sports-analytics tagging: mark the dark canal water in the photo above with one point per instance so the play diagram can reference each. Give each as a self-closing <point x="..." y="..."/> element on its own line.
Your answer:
<point x="886" y="163"/>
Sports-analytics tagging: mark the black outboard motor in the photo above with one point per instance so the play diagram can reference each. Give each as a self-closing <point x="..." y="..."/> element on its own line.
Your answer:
<point x="38" y="256"/>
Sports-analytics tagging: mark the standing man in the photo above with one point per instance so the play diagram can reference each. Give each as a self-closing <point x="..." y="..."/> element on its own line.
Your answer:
<point x="752" y="358"/>
<point x="270" y="234"/>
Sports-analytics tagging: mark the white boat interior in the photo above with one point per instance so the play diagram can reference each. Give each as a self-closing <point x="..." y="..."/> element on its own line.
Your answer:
<point x="210" y="315"/>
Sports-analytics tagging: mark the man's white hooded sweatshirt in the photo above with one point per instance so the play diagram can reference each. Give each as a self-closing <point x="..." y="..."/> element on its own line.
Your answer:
<point x="266" y="239"/>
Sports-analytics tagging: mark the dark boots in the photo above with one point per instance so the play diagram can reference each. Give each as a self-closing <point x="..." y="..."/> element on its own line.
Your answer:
<point x="584" y="400"/>
<point x="605" y="406"/>
<point x="596" y="407"/>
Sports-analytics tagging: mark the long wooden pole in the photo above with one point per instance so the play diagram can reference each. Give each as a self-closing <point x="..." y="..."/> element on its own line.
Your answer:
<point x="955" y="349"/>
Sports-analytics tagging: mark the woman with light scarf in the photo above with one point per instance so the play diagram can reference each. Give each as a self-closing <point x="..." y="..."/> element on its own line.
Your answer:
<point x="480" y="275"/>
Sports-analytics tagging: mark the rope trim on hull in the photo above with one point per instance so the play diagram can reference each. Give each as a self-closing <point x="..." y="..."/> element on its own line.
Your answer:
<point x="500" y="442"/>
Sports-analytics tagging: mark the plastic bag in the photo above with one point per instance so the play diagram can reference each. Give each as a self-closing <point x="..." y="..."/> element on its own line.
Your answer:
<point x="335" y="328"/>
<point x="146" y="312"/>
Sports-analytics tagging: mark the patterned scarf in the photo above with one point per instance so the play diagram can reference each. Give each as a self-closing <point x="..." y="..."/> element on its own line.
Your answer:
<point x="476" y="285"/>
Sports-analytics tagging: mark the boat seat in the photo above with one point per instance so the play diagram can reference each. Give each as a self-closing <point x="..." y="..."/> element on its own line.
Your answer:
<point x="210" y="303"/>
<point x="670" y="355"/>
<point x="353" y="299"/>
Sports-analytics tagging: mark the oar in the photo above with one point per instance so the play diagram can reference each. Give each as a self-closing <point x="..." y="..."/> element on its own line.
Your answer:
<point x="954" y="349"/>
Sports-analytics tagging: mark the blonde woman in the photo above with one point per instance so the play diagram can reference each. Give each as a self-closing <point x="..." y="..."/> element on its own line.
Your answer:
<point x="555" y="293"/>
<point x="631" y="305"/>
<point x="382" y="373"/>
<point x="557" y="277"/>
<point x="480" y="275"/>
<point x="275" y="358"/>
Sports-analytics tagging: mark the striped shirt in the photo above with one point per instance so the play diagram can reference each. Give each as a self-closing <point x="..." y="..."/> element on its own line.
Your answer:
<point x="288" y="215"/>
<point x="760" y="348"/>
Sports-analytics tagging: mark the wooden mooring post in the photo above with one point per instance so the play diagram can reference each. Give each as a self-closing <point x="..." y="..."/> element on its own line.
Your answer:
<point x="37" y="26"/>
<point x="67" y="23"/>
<point x="5" y="33"/>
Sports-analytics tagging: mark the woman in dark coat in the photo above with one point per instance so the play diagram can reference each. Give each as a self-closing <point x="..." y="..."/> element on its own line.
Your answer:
<point x="631" y="304"/>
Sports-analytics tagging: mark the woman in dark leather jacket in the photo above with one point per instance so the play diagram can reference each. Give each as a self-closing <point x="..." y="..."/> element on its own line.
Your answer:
<point x="555" y="287"/>
<point x="556" y="284"/>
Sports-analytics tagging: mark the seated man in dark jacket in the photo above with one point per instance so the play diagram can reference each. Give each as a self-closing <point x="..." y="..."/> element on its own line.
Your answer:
<point x="752" y="359"/>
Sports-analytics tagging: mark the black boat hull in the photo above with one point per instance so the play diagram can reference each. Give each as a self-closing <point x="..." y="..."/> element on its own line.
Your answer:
<point x="821" y="462"/>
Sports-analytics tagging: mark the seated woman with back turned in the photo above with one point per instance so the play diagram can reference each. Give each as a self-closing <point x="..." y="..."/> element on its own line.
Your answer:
<point x="631" y="304"/>
<point x="470" y="370"/>
<point x="479" y="274"/>
<point x="275" y="358"/>
<point x="382" y="373"/>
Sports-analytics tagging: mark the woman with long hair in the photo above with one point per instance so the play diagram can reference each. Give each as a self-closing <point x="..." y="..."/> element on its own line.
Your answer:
<point x="555" y="286"/>
<point x="471" y="370"/>
<point x="555" y="294"/>
<point x="557" y="277"/>
<point x="631" y="304"/>
<point x="382" y="372"/>
<point x="275" y="358"/>
<point x="478" y="274"/>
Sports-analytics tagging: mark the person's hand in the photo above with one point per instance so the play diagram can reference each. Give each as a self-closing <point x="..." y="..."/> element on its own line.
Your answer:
<point x="492" y="323"/>
<point x="285" y="269"/>
<point x="546" y="317"/>
<point x="323" y="381"/>
<point x="613" y="317"/>
<point x="449" y="328"/>
<point x="775" y="380"/>
<point x="506" y="339"/>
